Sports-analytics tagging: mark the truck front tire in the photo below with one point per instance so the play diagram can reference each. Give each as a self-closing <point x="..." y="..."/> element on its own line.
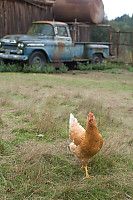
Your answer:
<point x="97" y="59"/>
<point x="38" y="59"/>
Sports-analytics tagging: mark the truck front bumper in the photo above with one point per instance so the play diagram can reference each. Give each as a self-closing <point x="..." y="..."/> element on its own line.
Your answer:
<point x="13" y="57"/>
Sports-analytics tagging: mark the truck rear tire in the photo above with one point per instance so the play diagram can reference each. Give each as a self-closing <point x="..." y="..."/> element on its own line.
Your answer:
<point x="97" y="59"/>
<point x="37" y="58"/>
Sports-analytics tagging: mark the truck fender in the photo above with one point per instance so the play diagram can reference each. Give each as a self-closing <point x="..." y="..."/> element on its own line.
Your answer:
<point x="43" y="52"/>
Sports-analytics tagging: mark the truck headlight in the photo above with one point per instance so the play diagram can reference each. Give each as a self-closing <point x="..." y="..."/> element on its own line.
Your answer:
<point x="0" y="44"/>
<point x="21" y="45"/>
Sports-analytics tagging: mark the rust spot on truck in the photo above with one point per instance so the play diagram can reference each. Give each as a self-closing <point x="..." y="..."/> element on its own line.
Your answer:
<point x="56" y="57"/>
<point x="61" y="47"/>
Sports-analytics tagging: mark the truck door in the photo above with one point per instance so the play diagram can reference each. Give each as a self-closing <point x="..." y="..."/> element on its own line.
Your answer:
<point x="63" y="44"/>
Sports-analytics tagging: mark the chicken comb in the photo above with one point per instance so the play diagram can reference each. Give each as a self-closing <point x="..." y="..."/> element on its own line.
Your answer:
<point x="90" y="114"/>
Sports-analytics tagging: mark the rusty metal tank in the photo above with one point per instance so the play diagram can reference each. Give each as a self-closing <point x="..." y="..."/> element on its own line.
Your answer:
<point x="91" y="11"/>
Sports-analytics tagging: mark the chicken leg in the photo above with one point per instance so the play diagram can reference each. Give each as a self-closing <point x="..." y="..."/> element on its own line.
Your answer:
<point x="86" y="171"/>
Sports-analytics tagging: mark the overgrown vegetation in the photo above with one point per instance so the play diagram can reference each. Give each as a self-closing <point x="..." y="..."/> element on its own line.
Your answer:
<point x="34" y="121"/>
<point x="107" y="67"/>
<point x="10" y="67"/>
<point x="123" y="23"/>
<point x="50" y="69"/>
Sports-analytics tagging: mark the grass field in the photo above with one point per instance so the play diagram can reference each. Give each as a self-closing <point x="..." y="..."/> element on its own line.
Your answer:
<point x="34" y="135"/>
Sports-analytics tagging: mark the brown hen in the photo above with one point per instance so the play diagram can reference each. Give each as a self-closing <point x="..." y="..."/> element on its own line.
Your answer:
<point x="85" y="143"/>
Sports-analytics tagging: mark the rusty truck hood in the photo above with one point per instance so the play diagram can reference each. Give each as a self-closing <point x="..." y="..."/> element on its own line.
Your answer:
<point x="12" y="39"/>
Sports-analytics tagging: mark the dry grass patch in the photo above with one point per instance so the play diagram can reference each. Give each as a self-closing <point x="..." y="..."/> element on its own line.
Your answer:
<point x="34" y="167"/>
<point x="1" y="121"/>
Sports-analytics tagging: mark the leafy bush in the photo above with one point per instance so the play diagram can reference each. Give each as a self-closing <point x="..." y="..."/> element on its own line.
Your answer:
<point x="2" y="67"/>
<point x="98" y="66"/>
<point x="31" y="69"/>
<point x="130" y="69"/>
<point x="113" y="71"/>
<point x="83" y="67"/>
<point x="86" y="66"/>
<point x="63" y="69"/>
<point x="27" y="69"/>
<point x="48" y="69"/>
<point x="35" y="69"/>
<point x="73" y="73"/>
<point x="104" y="66"/>
<point x="10" y="67"/>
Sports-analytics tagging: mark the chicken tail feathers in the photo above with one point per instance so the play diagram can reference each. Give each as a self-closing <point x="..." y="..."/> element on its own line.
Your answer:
<point x="72" y="120"/>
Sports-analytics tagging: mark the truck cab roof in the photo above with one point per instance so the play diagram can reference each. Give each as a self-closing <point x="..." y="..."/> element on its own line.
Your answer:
<point x="50" y="22"/>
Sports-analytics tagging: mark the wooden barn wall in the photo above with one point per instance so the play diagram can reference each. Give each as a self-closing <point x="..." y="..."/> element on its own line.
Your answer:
<point x="16" y="16"/>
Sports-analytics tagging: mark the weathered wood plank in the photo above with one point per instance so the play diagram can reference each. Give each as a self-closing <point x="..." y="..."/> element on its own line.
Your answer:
<point x="16" y="16"/>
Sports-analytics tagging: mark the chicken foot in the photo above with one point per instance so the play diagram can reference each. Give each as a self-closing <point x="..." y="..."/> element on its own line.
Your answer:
<point x="86" y="170"/>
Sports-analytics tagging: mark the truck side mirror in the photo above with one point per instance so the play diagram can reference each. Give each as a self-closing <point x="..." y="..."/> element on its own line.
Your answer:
<point x="56" y="30"/>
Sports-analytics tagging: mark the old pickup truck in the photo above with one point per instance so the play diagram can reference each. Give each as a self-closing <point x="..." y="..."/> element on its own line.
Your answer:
<point x="49" y="41"/>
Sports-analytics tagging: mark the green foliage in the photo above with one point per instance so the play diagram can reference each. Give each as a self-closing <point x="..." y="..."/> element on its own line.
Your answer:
<point x="113" y="71"/>
<point x="123" y="23"/>
<point x="130" y="69"/>
<point x="35" y="69"/>
<point x="86" y="67"/>
<point x="73" y="73"/>
<point x="83" y="67"/>
<point x="48" y="69"/>
<point x="99" y="66"/>
<point x="10" y="67"/>
<point x="27" y="69"/>
<point x="63" y="69"/>
<point x="107" y="67"/>
<point x="2" y="67"/>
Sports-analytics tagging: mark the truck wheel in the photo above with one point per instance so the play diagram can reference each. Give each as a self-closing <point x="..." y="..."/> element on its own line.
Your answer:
<point x="38" y="58"/>
<point x="97" y="59"/>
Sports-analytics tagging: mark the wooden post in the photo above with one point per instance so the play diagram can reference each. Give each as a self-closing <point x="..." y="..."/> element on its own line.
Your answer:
<point x="118" y="43"/>
<point x="132" y="49"/>
<point x="75" y="35"/>
<point x="110" y="40"/>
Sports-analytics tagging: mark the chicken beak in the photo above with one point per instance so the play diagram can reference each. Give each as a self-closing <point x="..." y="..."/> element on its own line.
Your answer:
<point x="90" y="117"/>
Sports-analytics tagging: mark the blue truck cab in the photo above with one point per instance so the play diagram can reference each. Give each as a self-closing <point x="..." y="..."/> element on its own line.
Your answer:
<point x="49" y="41"/>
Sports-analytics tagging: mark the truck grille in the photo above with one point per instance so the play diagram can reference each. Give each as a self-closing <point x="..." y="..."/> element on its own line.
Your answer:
<point x="9" y="49"/>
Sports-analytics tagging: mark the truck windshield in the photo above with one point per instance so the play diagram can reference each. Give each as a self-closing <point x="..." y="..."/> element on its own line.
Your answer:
<point x="41" y="29"/>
